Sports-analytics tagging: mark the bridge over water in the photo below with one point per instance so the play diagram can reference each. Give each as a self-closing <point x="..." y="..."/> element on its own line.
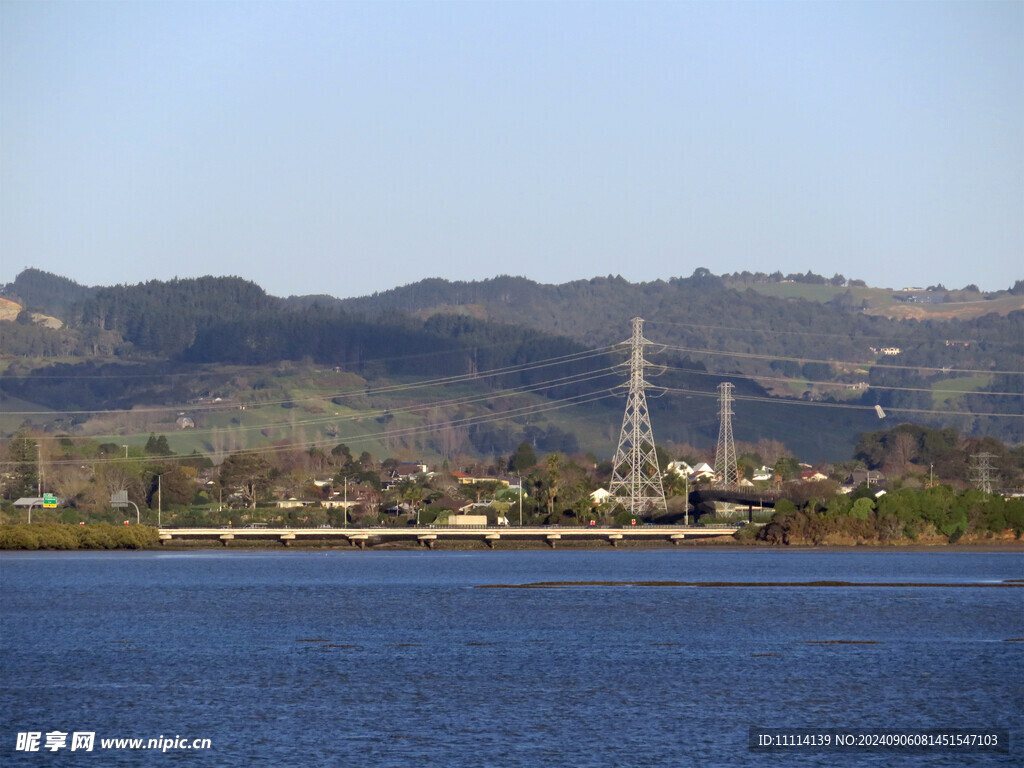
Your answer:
<point x="735" y="495"/>
<point x="427" y="537"/>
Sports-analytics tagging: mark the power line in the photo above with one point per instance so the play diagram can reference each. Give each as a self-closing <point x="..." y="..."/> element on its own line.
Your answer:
<point x="822" y="404"/>
<point x="530" y="410"/>
<point x="574" y="379"/>
<point x="223" y="370"/>
<point x="824" y="334"/>
<point x="386" y="389"/>
<point x="752" y="355"/>
<point x="756" y="378"/>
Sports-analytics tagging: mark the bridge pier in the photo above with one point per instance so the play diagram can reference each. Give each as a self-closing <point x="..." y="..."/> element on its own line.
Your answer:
<point x="367" y="538"/>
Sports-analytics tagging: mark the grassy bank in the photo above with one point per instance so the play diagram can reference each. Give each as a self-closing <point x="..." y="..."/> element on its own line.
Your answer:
<point x="62" y="536"/>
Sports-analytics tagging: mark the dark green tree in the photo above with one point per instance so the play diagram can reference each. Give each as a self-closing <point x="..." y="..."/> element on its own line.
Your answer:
<point x="158" y="446"/>
<point x="248" y="474"/>
<point x="787" y="468"/>
<point x="22" y="467"/>
<point x="176" y="487"/>
<point x="342" y="455"/>
<point x="523" y="460"/>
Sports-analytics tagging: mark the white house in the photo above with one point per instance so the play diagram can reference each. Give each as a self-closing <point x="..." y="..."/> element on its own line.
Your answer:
<point x="683" y="469"/>
<point x="336" y="503"/>
<point x="702" y="471"/>
<point x="812" y="476"/>
<point x="680" y="468"/>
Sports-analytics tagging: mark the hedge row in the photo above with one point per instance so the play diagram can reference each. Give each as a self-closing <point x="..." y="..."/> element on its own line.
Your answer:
<point x="901" y="514"/>
<point x="92" y="536"/>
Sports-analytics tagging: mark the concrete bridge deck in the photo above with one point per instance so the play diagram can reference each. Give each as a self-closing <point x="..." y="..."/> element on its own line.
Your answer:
<point x="428" y="536"/>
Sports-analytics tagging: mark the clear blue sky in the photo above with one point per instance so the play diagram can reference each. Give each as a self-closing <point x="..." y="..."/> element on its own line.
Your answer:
<point x="346" y="148"/>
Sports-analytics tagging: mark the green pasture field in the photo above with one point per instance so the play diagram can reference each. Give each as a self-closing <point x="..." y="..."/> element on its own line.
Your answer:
<point x="949" y="390"/>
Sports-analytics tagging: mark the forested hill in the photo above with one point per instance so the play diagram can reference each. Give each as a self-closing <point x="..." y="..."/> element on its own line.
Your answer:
<point x="184" y="326"/>
<point x="44" y="292"/>
<point x="943" y="372"/>
<point x="701" y="329"/>
<point x="234" y="321"/>
<point x="703" y="313"/>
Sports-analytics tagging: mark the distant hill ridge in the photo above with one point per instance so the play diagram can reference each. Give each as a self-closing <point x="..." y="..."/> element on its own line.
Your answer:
<point x="703" y="329"/>
<point x="45" y="292"/>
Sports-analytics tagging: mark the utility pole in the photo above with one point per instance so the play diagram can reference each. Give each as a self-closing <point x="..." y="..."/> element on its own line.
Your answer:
<point x="725" y="454"/>
<point x="520" y="502"/>
<point x="344" y="516"/>
<point x="159" y="498"/>
<point x="686" y="505"/>
<point x="636" y="477"/>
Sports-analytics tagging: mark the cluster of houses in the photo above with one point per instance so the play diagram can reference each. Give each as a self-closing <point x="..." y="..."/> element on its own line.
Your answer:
<point x="454" y="505"/>
<point x="703" y="473"/>
<point x="352" y="496"/>
<point x="349" y="497"/>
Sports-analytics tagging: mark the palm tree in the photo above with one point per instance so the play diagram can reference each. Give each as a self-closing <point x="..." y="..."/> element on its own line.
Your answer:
<point x="412" y="492"/>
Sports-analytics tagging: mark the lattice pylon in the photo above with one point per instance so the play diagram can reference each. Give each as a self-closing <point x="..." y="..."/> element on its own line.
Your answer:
<point x="636" y="477"/>
<point x="982" y="472"/>
<point x="725" y="454"/>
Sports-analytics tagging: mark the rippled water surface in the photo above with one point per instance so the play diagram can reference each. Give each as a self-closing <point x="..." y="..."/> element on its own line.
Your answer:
<point x="399" y="659"/>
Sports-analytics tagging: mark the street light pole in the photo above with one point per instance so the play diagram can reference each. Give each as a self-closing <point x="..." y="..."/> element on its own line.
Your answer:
<point x="686" y="501"/>
<point x="520" y="502"/>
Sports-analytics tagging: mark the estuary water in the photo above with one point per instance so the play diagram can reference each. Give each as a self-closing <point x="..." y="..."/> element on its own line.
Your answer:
<point x="353" y="658"/>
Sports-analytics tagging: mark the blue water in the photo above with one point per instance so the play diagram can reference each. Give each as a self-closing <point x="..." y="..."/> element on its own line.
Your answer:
<point x="246" y="649"/>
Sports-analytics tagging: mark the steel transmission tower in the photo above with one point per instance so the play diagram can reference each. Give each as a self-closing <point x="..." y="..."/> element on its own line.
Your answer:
<point x="636" y="477"/>
<point x="725" y="454"/>
<point x="982" y="471"/>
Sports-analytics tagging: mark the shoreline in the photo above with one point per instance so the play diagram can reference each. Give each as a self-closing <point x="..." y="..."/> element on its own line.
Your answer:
<point x="719" y="543"/>
<point x="135" y="538"/>
<point x="1016" y="547"/>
